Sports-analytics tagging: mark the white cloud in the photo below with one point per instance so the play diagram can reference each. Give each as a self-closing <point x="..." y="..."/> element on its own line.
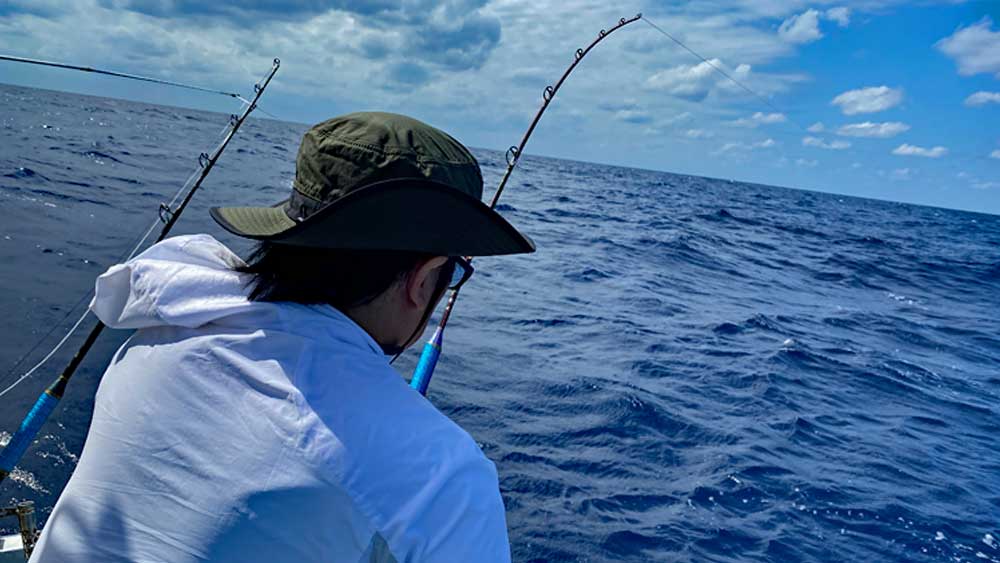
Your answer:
<point x="760" y="118"/>
<point x="901" y="174"/>
<point x="898" y="174"/>
<point x="868" y="100"/>
<point x="698" y="134"/>
<point x="683" y="116"/>
<point x="978" y="183"/>
<point x="877" y="130"/>
<point x="841" y="15"/>
<point x="976" y="48"/>
<point x="995" y="154"/>
<point x="806" y="163"/>
<point x="741" y="146"/>
<point x="695" y="81"/>
<point x="769" y="117"/>
<point x="913" y="150"/>
<point x="633" y="116"/>
<point x="982" y="98"/>
<point x="728" y="147"/>
<point x="801" y="28"/>
<point x="817" y="127"/>
<point x="666" y="125"/>
<point x="820" y="143"/>
<point x="686" y="80"/>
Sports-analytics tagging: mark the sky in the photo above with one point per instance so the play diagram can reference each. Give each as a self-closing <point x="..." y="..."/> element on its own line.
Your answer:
<point x="888" y="99"/>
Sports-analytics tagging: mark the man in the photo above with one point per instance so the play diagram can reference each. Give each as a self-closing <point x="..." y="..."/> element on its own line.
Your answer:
<point x="254" y="416"/>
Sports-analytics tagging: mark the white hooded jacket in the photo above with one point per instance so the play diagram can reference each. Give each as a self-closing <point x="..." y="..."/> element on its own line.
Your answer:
<point x="231" y="430"/>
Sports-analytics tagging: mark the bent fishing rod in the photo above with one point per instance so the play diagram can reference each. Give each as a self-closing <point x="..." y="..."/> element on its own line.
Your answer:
<point x="432" y="349"/>
<point x="47" y="402"/>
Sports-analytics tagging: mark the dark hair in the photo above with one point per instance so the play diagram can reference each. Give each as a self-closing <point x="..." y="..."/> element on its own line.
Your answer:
<point x="341" y="278"/>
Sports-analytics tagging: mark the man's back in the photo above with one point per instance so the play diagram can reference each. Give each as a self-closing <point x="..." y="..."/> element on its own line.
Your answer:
<point x="226" y="430"/>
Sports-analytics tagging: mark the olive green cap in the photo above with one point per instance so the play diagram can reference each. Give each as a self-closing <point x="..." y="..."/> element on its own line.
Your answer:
<point x="382" y="181"/>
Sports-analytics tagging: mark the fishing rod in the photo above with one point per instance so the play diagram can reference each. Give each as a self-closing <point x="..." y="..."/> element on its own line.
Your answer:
<point x="432" y="349"/>
<point x="47" y="402"/>
<point x="115" y="73"/>
<point x="118" y="74"/>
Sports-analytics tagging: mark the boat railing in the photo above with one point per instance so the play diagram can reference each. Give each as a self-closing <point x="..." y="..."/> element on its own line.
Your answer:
<point x="27" y="523"/>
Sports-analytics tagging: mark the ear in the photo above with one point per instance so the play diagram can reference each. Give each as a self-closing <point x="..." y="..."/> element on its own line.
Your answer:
<point x="423" y="280"/>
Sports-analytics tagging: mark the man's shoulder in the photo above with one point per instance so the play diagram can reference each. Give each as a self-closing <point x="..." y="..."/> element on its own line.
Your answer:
<point x="384" y="424"/>
<point x="378" y="419"/>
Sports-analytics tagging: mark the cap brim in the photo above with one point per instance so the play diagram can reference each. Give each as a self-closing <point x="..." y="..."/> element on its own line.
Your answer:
<point x="410" y="215"/>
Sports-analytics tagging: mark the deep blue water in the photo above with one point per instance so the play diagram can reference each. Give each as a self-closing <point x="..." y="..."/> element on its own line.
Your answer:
<point x="687" y="370"/>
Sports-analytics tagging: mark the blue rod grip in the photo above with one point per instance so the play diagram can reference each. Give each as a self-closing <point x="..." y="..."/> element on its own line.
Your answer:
<point x="25" y="435"/>
<point x="428" y="361"/>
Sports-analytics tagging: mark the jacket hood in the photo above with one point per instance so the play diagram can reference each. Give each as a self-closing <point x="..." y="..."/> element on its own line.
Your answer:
<point x="185" y="281"/>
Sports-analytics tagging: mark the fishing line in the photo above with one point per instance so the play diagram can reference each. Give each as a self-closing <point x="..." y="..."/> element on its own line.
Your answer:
<point x="722" y="72"/>
<point x="51" y="353"/>
<point x="11" y="454"/>
<point x="55" y="327"/>
<point x="260" y="109"/>
<point x="123" y="258"/>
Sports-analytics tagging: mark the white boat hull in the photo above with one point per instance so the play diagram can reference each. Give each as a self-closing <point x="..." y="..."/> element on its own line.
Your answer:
<point x="11" y="549"/>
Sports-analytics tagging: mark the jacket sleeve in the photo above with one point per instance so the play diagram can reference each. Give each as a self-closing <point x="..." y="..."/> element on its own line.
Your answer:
<point x="466" y="519"/>
<point x="446" y="511"/>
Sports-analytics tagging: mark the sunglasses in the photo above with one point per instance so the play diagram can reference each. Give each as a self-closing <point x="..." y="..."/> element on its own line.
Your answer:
<point x="461" y="271"/>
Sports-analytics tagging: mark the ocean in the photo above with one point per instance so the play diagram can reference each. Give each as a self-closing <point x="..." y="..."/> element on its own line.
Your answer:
<point x="688" y="369"/>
